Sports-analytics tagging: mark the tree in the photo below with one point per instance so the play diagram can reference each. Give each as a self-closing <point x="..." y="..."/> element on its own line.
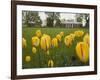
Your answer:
<point x="52" y="18"/>
<point x="31" y="18"/>
<point x="87" y="18"/>
<point x="58" y="22"/>
<point x="80" y="17"/>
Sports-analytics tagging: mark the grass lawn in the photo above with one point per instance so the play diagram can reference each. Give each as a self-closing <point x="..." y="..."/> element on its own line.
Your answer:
<point x="62" y="56"/>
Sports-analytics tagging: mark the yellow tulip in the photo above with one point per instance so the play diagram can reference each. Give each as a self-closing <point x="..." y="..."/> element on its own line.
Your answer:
<point x="82" y="51"/>
<point x="27" y="58"/>
<point x="50" y="63"/>
<point x="87" y="39"/>
<point x="49" y="38"/>
<point x="61" y="34"/>
<point x="54" y="42"/>
<point x="79" y="33"/>
<point x="58" y="37"/>
<point x="34" y="50"/>
<point x="45" y="35"/>
<point x="68" y="41"/>
<point x="45" y="42"/>
<point x="35" y="41"/>
<point x="24" y="44"/>
<point x="72" y="36"/>
<point x="38" y="33"/>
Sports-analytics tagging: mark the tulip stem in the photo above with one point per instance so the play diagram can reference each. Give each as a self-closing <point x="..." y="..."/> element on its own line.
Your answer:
<point x="39" y="59"/>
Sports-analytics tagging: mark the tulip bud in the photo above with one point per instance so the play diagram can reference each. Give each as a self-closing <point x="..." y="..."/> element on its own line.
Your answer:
<point x="78" y="33"/>
<point x="72" y="36"/>
<point x="82" y="51"/>
<point x="47" y="52"/>
<point x="45" y="42"/>
<point x="38" y="33"/>
<point x="34" y="50"/>
<point x="50" y="63"/>
<point x="54" y="42"/>
<point x="58" y="37"/>
<point x="87" y="39"/>
<point x="27" y="58"/>
<point x="24" y="44"/>
<point x="61" y="34"/>
<point x="68" y="41"/>
<point x="35" y="41"/>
